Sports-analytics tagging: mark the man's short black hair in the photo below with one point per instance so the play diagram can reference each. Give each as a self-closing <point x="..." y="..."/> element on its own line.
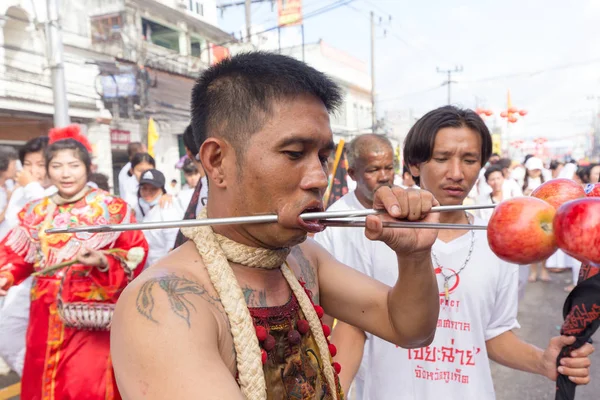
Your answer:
<point x="234" y="98"/>
<point x="489" y="171"/>
<point x="189" y="168"/>
<point x="418" y="145"/>
<point x="7" y="154"/>
<point x="189" y="141"/>
<point x="35" y="145"/>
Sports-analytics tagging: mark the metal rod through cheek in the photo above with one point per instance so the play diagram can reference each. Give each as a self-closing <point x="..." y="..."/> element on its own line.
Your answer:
<point x="255" y="219"/>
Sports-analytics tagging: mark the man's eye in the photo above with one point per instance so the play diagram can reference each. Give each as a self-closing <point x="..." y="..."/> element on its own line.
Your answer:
<point x="294" y="155"/>
<point x="440" y="159"/>
<point x="470" y="161"/>
<point x="324" y="160"/>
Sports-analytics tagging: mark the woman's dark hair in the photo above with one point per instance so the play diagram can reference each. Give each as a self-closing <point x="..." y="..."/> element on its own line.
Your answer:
<point x="35" y="145"/>
<point x="554" y="164"/>
<point x="69" y="144"/>
<point x="489" y="171"/>
<point x="584" y="174"/>
<point x="419" y="143"/>
<point x="142" y="157"/>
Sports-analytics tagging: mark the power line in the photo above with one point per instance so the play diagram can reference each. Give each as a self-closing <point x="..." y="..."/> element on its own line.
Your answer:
<point x="536" y="72"/>
<point x="410" y="94"/>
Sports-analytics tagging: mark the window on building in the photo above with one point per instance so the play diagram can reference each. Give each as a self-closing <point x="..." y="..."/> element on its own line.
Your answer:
<point x="106" y="28"/>
<point x="195" y="47"/>
<point x="196" y="7"/>
<point x="160" y="35"/>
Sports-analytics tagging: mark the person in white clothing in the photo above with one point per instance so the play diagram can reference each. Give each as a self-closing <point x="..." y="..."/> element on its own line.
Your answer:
<point x="32" y="184"/>
<point x="152" y="188"/>
<point x="128" y="185"/>
<point x="445" y="150"/>
<point x="8" y="172"/>
<point x="140" y="163"/>
<point x="370" y="165"/>
<point x="406" y="181"/>
<point x="482" y="186"/>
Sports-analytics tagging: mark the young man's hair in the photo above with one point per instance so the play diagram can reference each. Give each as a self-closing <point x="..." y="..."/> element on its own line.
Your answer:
<point x="364" y="143"/>
<point x="418" y="145"/>
<point x="35" y="145"/>
<point x="234" y="99"/>
<point x="7" y="154"/>
<point x="406" y="170"/>
<point x="489" y="171"/>
<point x="133" y="148"/>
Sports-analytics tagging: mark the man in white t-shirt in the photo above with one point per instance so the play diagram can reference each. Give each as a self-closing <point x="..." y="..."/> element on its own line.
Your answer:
<point x="478" y="293"/>
<point x="128" y="184"/>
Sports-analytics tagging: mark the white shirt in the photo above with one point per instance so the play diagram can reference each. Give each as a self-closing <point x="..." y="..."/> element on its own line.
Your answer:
<point x="160" y="241"/>
<point x="128" y="185"/>
<point x="185" y="196"/>
<point x="20" y="197"/>
<point x="483" y="305"/>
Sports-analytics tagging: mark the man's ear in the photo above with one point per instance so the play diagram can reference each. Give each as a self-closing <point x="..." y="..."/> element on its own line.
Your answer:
<point x="352" y="173"/>
<point x="213" y="153"/>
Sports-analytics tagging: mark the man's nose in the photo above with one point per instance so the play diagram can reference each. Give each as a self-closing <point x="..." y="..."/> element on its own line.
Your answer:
<point x="316" y="177"/>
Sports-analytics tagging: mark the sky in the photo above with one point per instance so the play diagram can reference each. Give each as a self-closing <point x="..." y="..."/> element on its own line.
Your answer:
<point x="546" y="52"/>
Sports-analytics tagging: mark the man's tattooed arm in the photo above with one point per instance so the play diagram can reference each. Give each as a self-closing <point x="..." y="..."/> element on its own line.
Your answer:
<point x="307" y="273"/>
<point x="178" y="291"/>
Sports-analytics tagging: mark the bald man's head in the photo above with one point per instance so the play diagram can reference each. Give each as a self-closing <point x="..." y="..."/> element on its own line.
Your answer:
<point x="371" y="165"/>
<point x="363" y="145"/>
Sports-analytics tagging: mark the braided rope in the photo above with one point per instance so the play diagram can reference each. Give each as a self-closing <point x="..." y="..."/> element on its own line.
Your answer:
<point x="216" y="251"/>
<point x="252" y="256"/>
<point x="248" y="354"/>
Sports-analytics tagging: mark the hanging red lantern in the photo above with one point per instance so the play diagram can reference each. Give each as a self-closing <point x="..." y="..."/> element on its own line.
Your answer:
<point x="513" y="110"/>
<point x="504" y="114"/>
<point x="512" y="119"/>
<point x="489" y="113"/>
<point x="479" y="111"/>
<point x="523" y="113"/>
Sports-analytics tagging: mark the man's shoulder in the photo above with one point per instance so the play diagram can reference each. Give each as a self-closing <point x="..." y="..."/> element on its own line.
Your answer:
<point x="162" y="299"/>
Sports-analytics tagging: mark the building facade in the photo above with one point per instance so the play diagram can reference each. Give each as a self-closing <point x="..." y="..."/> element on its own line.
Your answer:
<point x="125" y="61"/>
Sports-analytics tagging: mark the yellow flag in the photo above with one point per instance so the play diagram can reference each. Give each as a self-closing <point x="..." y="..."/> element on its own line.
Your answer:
<point x="152" y="136"/>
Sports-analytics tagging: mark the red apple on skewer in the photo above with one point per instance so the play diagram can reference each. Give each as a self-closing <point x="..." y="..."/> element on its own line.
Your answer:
<point x="577" y="229"/>
<point x="520" y="230"/>
<point x="558" y="191"/>
<point x="592" y="190"/>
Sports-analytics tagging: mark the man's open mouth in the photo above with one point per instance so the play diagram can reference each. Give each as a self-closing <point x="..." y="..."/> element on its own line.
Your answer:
<point x="312" y="226"/>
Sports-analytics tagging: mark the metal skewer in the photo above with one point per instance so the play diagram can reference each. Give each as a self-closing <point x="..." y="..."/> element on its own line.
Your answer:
<point x="255" y="219"/>
<point x="390" y="224"/>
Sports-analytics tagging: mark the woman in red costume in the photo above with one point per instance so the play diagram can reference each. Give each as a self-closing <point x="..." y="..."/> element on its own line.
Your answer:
<point x="67" y="354"/>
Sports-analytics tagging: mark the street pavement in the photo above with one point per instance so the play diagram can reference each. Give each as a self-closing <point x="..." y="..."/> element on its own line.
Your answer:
<point x="540" y="316"/>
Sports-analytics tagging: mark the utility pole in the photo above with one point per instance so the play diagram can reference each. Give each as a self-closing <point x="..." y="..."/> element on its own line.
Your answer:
<point x="248" y="20"/>
<point x="55" y="56"/>
<point x="449" y="81"/>
<point x="373" y="110"/>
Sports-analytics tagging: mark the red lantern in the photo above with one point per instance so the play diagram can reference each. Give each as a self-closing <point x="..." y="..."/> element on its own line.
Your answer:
<point x="523" y="113"/>
<point x="479" y="111"/>
<point x="513" y="110"/>
<point x="488" y="113"/>
<point x="504" y="114"/>
<point x="512" y="119"/>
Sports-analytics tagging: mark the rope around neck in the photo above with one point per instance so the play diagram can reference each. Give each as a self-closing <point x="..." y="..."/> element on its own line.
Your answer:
<point x="216" y="251"/>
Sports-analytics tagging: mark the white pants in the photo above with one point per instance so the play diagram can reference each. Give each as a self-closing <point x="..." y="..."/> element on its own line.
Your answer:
<point x="14" y="319"/>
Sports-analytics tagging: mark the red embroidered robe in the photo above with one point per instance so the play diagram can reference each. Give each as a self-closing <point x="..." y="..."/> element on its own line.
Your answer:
<point x="63" y="362"/>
